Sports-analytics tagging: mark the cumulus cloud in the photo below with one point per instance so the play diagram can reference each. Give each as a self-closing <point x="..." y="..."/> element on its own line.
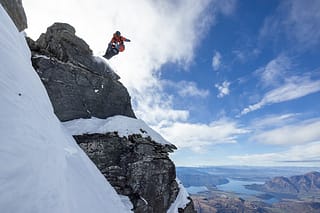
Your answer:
<point x="294" y="87"/>
<point x="299" y="155"/>
<point x="223" y="89"/>
<point x="216" y="61"/>
<point x="196" y="135"/>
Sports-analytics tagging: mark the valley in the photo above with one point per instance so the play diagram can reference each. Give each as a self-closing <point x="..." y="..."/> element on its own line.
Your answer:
<point x="237" y="189"/>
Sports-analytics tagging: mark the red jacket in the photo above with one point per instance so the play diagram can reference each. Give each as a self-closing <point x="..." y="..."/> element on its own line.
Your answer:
<point x="119" y="41"/>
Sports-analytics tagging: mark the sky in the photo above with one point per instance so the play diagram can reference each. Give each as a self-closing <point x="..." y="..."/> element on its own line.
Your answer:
<point x="228" y="82"/>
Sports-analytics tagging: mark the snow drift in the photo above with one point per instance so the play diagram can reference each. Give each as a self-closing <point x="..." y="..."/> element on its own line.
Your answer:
<point x="42" y="169"/>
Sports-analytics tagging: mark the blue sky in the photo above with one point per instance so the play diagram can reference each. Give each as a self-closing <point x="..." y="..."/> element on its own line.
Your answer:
<point x="257" y="68"/>
<point x="228" y="82"/>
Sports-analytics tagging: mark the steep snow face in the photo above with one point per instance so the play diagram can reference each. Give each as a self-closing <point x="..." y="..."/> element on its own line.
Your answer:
<point x="41" y="167"/>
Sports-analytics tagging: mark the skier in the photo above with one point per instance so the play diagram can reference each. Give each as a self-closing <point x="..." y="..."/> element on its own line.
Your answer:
<point x="116" y="45"/>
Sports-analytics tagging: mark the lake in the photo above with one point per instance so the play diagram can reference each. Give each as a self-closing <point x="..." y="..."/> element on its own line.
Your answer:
<point x="196" y="189"/>
<point x="238" y="187"/>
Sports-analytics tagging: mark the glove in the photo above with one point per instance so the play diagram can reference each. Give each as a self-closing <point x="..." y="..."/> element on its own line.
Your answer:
<point x="128" y="40"/>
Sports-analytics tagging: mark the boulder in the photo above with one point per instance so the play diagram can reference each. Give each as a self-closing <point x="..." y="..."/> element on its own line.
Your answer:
<point x="15" y="10"/>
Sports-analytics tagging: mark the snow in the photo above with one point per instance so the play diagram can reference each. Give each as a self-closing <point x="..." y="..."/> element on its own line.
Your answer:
<point x="41" y="167"/>
<point x="126" y="202"/>
<point x="181" y="200"/>
<point x="125" y="126"/>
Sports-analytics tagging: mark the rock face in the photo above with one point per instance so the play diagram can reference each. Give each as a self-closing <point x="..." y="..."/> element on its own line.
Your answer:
<point x="308" y="183"/>
<point x="82" y="86"/>
<point x="136" y="167"/>
<point x="78" y="84"/>
<point x="15" y="10"/>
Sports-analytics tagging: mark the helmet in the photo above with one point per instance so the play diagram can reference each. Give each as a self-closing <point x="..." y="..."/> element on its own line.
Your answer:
<point x="118" y="33"/>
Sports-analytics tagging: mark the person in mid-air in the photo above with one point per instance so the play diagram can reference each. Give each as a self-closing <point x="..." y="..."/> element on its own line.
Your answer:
<point x="116" y="45"/>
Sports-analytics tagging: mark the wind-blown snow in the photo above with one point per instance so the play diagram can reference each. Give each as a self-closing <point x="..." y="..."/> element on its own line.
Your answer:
<point x="42" y="170"/>
<point x="181" y="200"/>
<point x="125" y="126"/>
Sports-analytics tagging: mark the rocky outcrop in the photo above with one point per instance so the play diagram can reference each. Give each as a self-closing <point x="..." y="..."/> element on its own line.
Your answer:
<point x="83" y="86"/>
<point x="136" y="167"/>
<point x="15" y="10"/>
<point x="307" y="183"/>
<point x="79" y="85"/>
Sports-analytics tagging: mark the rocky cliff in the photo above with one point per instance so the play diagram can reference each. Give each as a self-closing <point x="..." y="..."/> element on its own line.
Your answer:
<point x="83" y="86"/>
<point x="136" y="167"/>
<point x="15" y="10"/>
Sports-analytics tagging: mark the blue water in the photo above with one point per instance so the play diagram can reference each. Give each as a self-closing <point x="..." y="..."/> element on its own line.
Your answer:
<point x="196" y="189"/>
<point x="238" y="187"/>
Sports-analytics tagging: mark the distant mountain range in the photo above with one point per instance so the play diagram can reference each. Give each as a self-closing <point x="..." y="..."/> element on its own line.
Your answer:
<point x="298" y="184"/>
<point x="197" y="177"/>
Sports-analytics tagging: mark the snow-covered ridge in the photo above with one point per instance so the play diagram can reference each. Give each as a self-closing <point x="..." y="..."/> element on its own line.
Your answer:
<point x="42" y="168"/>
<point x="123" y="125"/>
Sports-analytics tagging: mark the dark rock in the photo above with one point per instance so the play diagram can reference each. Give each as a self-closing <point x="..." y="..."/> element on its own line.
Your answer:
<point x="79" y="86"/>
<point x="15" y="10"/>
<point x="189" y="208"/>
<point x="136" y="167"/>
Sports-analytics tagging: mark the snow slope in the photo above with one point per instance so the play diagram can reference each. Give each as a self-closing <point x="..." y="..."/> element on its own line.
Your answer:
<point x="42" y="170"/>
<point x="181" y="200"/>
<point x="125" y="126"/>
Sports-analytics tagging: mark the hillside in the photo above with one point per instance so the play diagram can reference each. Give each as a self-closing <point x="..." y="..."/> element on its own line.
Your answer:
<point x="298" y="184"/>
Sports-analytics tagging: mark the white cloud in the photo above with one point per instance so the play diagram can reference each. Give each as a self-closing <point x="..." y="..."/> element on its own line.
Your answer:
<point x="223" y="89"/>
<point x="298" y="20"/>
<point x="274" y="120"/>
<point x="190" y="89"/>
<point x="246" y="54"/>
<point x="196" y="136"/>
<point x="298" y="133"/>
<point x="216" y="61"/>
<point x="274" y="72"/>
<point x="294" y="87"/>
<point x="300" y="155"/>
<point x="187" y="88"/>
